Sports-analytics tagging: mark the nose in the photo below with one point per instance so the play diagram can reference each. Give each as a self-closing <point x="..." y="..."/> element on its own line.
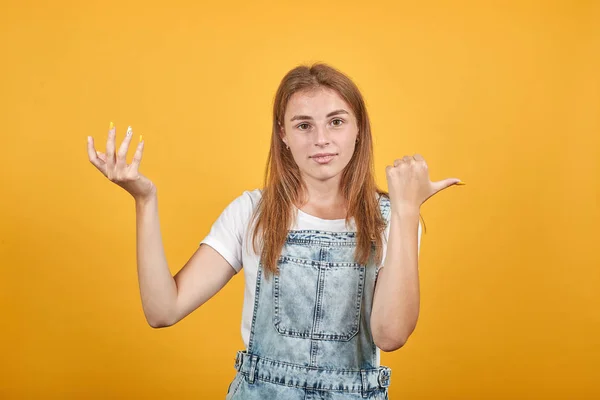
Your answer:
<point x="322" y="138"/>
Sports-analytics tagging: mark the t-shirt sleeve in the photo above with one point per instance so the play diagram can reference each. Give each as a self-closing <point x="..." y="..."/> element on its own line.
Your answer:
<point x="387" y="235"/>
<point x="227" y="232"/>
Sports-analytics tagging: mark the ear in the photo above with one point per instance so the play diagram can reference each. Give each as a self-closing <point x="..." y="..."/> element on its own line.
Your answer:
<point x="282" y="133"/>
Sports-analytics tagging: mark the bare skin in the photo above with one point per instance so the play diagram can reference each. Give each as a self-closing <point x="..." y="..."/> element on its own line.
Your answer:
<point x="320" y="121"/>
<point x="166" y="299"/>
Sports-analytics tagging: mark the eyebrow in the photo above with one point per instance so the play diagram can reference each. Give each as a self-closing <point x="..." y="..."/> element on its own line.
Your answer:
<point x="307" y="117"/>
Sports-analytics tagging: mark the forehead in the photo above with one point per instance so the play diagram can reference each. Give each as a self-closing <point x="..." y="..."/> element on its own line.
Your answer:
<point x="316" y="102"/>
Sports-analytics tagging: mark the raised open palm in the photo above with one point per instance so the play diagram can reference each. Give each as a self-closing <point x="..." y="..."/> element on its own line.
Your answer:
<point x="115" y="168"/>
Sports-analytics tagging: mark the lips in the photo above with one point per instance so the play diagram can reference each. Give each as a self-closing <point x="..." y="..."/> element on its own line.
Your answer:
<point x="323" y="154"/>
<point x="324" y="158"/>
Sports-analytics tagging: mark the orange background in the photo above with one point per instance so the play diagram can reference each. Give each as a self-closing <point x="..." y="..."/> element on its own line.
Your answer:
<point x="505" y="97"/>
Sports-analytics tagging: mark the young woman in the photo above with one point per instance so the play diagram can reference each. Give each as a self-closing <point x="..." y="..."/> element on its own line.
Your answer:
<point x="330" y="260"/>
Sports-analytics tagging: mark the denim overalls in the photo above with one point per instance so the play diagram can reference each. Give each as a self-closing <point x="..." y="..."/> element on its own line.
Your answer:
<point x="310" y="337"/>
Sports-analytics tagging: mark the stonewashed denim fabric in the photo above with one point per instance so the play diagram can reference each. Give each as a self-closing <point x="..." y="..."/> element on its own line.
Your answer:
<point x="310" y="337"/>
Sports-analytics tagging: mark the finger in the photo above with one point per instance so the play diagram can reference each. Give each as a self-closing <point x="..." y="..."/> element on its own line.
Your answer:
<point x="110" y="151"/>
<point x="420" y="160"/>
<point x="137" y="157"/>
<point x="101" y="156"/>
<point x="397" y="162"/>
<point x="93" y="156"/>
<point x="122" y="154"/>
<point x="443" y="184"/>
<point x="407" y="158"/>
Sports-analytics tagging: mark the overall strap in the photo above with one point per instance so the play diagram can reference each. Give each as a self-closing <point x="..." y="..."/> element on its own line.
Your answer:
<point x="385" y="207"/>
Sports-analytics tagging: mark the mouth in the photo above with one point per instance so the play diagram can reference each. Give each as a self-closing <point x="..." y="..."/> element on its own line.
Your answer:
<point x="323" y="158"/>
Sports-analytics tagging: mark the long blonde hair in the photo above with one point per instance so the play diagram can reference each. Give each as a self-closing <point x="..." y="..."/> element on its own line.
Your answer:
<point x="283" y="185"/>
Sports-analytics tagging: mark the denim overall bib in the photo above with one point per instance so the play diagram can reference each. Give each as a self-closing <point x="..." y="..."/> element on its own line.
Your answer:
<point x="310" y="337"/>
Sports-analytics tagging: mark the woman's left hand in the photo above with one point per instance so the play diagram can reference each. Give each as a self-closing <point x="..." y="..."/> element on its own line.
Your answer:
<point x="409" y="184"/>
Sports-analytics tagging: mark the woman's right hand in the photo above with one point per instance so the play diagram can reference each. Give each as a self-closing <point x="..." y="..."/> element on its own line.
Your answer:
<point x="116" y="168"/>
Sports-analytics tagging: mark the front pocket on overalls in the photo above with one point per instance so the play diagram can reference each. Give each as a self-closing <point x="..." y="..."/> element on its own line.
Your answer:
<point x="318" y="300"/>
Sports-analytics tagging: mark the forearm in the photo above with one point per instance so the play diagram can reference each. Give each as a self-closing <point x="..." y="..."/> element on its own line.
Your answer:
<point x="396" y="300"/>
<point x="157" y="286"/>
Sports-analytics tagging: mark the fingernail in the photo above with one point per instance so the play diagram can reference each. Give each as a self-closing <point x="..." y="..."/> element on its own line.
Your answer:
<point x="111" y="125"/>
<point x="460" y="183"/>
<point x="128" y="130"/>
<point x="141" y="137"/>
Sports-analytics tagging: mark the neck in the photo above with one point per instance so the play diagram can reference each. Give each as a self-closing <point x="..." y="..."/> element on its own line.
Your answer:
<point x="323" y="193"/>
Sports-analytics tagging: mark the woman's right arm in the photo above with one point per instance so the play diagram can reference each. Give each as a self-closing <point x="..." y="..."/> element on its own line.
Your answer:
<point x="165" y="299"/>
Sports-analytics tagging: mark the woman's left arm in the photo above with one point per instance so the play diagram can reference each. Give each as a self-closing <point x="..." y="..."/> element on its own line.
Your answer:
<point x="396" y="300"/>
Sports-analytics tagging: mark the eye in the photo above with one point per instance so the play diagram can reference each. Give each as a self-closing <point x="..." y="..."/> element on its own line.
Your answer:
<point x="337" y="119"/>
<point x="302" y="125"/>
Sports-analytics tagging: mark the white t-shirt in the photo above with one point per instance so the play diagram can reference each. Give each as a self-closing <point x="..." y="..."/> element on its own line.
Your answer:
<point x="228" y="237"/>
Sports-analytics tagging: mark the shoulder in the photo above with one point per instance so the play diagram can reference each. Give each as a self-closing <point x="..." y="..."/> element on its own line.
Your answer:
<point x="382" y="198"/>
<point x="384" y="205"/>
<point x="249" y="199"/>
<point x="243" y="205"/>
<point x="253" y="196"/>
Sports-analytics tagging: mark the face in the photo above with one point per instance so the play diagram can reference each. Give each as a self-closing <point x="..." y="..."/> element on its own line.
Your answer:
<point x="320" y="122"/>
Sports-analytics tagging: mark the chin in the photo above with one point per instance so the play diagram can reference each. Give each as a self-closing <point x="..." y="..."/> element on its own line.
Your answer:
<point x="325" y="175"/>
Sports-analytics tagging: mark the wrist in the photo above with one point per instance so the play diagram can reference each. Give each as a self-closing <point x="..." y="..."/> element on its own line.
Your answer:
<point x="405" y="210"/>
<point x="144" y="201"/>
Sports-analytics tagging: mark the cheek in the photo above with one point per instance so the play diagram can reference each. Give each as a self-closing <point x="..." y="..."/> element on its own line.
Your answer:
<point x="349" y="150"/>
<point x="350" y="146"/>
